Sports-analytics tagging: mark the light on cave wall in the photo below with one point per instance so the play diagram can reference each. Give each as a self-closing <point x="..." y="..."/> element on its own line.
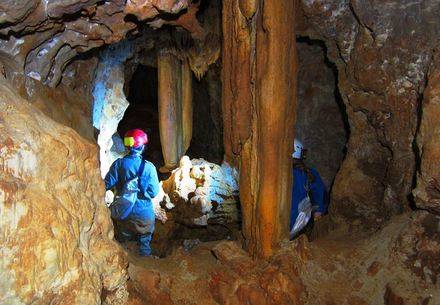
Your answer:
<point x="109" y="101"/>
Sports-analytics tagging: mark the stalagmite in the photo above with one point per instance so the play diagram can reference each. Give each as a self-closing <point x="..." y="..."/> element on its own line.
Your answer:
<point x="258" y="106"/>
<point x="175" y="108"/>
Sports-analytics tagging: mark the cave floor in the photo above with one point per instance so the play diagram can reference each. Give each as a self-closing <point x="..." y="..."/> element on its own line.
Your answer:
<point x="341" y="269"/>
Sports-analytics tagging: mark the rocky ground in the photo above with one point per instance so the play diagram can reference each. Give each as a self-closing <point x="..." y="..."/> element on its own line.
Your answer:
<point x="394" y="266"/>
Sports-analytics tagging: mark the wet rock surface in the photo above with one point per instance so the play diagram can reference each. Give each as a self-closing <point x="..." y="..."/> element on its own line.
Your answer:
<point x="57" y="239"/>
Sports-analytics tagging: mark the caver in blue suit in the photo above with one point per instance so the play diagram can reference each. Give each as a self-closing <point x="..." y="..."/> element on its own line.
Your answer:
<point x="302" y="182"/>
<point x="141" y="219"/>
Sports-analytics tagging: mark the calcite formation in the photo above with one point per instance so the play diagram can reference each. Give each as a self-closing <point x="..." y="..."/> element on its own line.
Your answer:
<point x="198" y="190"/>
<point x="57" y="239"/>
<point x="110" y="102"/>
<point x="259" y="93"/>
<point x="56" y="235"/>
<point x="175" y="108"/>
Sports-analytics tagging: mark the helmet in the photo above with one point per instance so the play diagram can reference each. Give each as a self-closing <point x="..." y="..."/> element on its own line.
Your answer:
<point x="135" y="138"/>
<point x="298" y="149"/>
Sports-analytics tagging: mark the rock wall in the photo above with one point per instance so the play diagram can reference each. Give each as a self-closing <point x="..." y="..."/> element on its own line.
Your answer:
<point x="320" y="119"/>
<point x="427" y="193"/>
<point x="382" y="51"/>
<point x="57" y="239"/>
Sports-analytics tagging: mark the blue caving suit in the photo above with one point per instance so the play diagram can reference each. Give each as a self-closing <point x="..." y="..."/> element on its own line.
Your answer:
<point x="127" y="168"/>
<point x="317" y="192"/>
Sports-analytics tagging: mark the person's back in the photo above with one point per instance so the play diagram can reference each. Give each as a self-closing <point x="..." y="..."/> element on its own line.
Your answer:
<point x="141" y="218"/>
<point x="126" y="168"/>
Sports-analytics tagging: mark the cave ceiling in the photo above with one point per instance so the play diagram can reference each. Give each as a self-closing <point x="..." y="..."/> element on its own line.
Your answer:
<point x="41" y="37"/>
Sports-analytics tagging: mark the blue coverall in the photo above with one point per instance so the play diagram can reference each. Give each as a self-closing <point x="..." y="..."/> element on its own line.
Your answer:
<point x="127" y="168"/>
<point x="299" y="192"/>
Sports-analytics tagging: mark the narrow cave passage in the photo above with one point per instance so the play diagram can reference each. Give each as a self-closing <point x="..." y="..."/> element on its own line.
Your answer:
<point x="143" y="110"/>
<point x="321" y="122"/>
<point x="207" y="140"/>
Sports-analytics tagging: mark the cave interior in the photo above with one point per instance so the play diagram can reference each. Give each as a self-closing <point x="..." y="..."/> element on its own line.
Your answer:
<point x="222" y="89"/>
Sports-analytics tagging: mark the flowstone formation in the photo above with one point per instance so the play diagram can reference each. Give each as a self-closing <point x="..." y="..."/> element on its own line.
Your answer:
<point x="198" y="202"/>
<point x="57" y="242"/>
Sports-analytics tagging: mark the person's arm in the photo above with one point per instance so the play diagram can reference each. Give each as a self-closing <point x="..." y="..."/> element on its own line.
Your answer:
<point x="111" y="179"/>
<point x="318" y="193"/>
<point x="152" y="188"/>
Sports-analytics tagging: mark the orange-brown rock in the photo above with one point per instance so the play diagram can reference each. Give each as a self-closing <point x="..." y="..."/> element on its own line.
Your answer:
<point x="259" y="81"/>
<point x="57" y="238"/>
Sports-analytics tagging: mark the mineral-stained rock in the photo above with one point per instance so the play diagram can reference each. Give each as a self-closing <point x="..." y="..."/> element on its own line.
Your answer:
<point x="382" y="50"/>
<point x="56" y="240"/>
<point x="258" y="98"/>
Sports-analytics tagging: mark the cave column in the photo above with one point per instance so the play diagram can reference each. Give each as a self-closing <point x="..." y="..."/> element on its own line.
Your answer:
<point x="175" y="108"/>
<point x="259" y="95"/>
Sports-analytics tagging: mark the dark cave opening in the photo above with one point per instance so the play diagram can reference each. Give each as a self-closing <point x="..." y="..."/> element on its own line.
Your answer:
<point x="207" y="140"/>
<point x="322" y="122"/>
<point x="143" y="110"/>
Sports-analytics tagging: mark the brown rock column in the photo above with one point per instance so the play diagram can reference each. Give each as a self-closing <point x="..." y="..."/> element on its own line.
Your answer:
<point x="175" y="108"/>
<point x="187" y="106"/>
<point x="259" y="79"/>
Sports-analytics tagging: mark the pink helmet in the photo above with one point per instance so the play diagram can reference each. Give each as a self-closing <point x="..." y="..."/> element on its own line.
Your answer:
<point x="135" y="138"/>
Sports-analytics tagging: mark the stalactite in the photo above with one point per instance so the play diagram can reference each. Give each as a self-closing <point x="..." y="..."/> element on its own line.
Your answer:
<point x="175" y="108"/>
<point x="259" y="77"/>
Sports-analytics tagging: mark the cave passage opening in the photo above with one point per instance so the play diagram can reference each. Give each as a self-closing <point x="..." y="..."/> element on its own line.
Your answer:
<point x="142" y="112"/>
<point x="321" y="118"/>
<point x="141" y="89"/>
